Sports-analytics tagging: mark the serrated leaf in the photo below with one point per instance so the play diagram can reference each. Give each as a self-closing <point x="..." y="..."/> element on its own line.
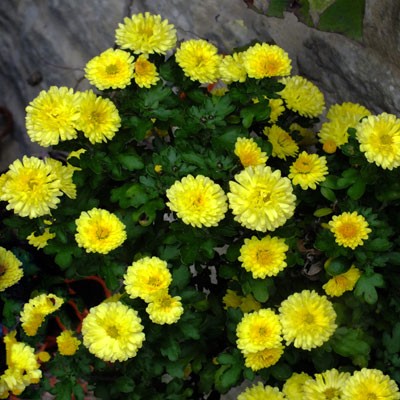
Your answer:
<point x="181" y="276"/>
<point x="365" y="287"/>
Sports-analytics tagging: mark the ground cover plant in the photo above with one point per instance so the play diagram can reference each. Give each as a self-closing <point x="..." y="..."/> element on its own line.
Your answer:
<point x="196" y="225"/>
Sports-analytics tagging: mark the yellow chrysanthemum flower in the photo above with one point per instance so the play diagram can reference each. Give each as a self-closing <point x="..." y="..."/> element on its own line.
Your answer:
<point x="302" y="96"/>
<point x="293" y="388"/>
<point x="266" y="60"/>
<point x="308" y="319"/>
<point x="67" y="343"/>
<point x="308" y="170"/>
<point x="99" y="231"/>
<point x="198" y="201"/>
<point x="350" y="229"/>
<point x="112" y="331"/>
<point x="277" y="109"/>
<point x="282" y="143"/>
<point x="333" y="134"/>
<point x="231" y="68"/>
<point x="99" y="119"/>
<point x="146" y="278"/>
<point x="326" y="386"/>
<point x="65" y="174"/>
<point x="36" y="310"/>
<point x="258" y="330"/>
<point x="370" y="384"/>
<point x="249" y="303"/>
<point x="261" y="392"/>
<point x="339" y="284"/>
<point x="263" y="358"/>
<point x="249" y="152"/>
<point x="145" y="74"/>
<point x="22" y="367"/>
<point x="112" y="69"/>
<point x="146" y="33"/>
<point x="165" y="309"/>
<point x="379" y="138"/>
<point x="52" y="115"/>
<point x="199" y="60"/>
<point x="43" y="356"/>
<point x="40" y="241"/>
<point x="347" y="111"/>
<point x="231" y="299"/>
<point x="263" y="257"/>
<point x="10" y="269"/>
<point x="261" y="199"/>
<point x="31" y="187"/>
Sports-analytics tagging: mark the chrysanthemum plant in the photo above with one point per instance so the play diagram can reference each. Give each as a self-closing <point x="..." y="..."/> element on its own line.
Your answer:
<point x="199" y="228"/>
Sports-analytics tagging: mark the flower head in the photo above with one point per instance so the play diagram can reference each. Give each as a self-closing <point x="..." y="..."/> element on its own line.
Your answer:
<point x="347" y="112"/>
<point x="36" y="310"/>
<point x="31" y="187"/>
<point x="308" y="319"/>
<point x="146" y="33"/>
<point x="67" y="343"/>
<point x="99" y="231"/>
<point x="370" y="384"/>
<point x="263" y="358"/>
<point x="258" y="330"/>
<point x="51" y="117"/>
<point x="99" y="119"/>
<point x="283" y="144"/>
<point x="326" y="386"/>
<point x="145" y="74"/>
<point x="198" y="201"/>
<point x="293" y="388"/>
<point x="379" y="138"/>
<point x="263" y="257"/>
<point x="40" y="241"/>
<point x="341" y="283"/>
<point x="266" y="60"/>
<point x="199" y="60"/>
<point x="249" y="153"/>
<point x="146" y="278"/>
<point x="302" y="96"/>
<point x="277" y="108"/>
<point x="261" y="199"/>
<point x="165" y="309"/>
<point x="10" y="269"/>
<point x="231" y="68"/>
<point x="112" y="331"/>
<point x="112" y="69"/>
<point x="350" y="229"/>
<point x="308" y="170"/>
<point x="261" y="392"/>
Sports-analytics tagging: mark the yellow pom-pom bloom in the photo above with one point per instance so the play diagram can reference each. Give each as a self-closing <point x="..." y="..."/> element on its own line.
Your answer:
<point x="67" y="343"/>
<point x="266" y="60"/>
<point x="31" y="187"/>
<point x="283" y="144"/>
<point x="258" y="330"/>
<point x="52" y="115"/>
<point x="146" y="33"/>
<point x="293" y="388"/>
<point x="199" y="60"/>
<point x="249" y="152"/>
<point x="379" y="138"/>
<point x="65" y="174"/>
<point x="308" y="319"/>
<point x="113" y="331"/>
<point x="348" y="112"/>
<point x="36" y="310"/>
<point x="263" y="257"/>
<point x="99" y="119"/>
<point x="277" y="108"/>
<point x="145" y="74"/>
<point x="40" y="241"/>
<point x="231" y="68"/>
<point x="350" y="229"/>
<point x="302" y="96"/>
<point x="326" y="386"/>
<point x="339" y="284"/>
<point x="165" y="309"/>
<point x="261" y="199"/>
<point x="308" y="170"/>
<point x="198" y="201"/>
<point x="99" y="231"/>
<point x="112" y="69"/>
<point x="146" y="278"/>
<point x="370" y="384"/>
<point x="263" y="358"/>
<point x="261" y="392"/>
<point x="10" y="269"/>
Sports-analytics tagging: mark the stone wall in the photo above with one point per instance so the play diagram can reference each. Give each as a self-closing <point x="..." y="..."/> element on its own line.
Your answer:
<point x="48" y="42"/>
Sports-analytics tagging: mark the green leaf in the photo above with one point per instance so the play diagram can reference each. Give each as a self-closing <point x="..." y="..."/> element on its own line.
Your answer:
<point x="130" y="161"/>
<point x="227" y="376"/>
<point x="125" y="384"/>
<point x="140" y="127"/>
<point x="171" y="348"/>
<point x="328" y="193"/>
<point x="260" y="290"/>
<point x="366" y="284"/>
<point x="181" y="276"/>
<point x="322" y="212"/>
<point x="277" y="7"/>
<point x="357" y="189"/>
<point x="378" y="244"/>
<point x="281" y="371"/>
<point x="392" y="342"/>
